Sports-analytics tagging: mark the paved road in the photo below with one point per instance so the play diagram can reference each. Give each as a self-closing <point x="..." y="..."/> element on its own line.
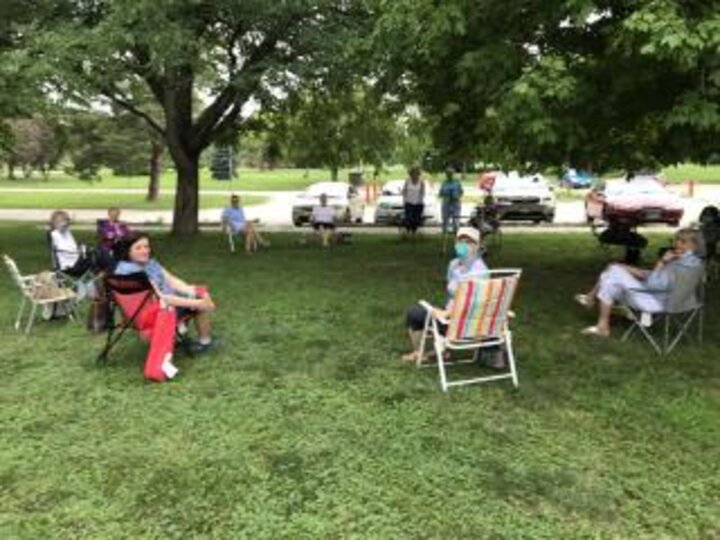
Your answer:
<point x="276" y="212"/>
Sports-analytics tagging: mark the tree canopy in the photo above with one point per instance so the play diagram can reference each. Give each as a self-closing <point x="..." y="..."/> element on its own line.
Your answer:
<point x="526" y="83"/>
<point x="225" y="53"/>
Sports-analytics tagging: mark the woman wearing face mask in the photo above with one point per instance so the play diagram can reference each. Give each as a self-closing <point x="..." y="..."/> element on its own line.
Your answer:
<point x="467" y="264"/>
<point x="135" y="256"/>
<point x="68" y="256"/>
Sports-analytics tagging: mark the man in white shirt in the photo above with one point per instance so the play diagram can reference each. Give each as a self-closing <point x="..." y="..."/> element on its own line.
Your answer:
<point x="323" y="220"/>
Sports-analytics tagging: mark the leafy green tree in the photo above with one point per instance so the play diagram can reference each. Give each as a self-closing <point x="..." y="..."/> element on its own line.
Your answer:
<point x="529" y="83"/>
<point x="227" y="51"/>
<point x="340" y="124"/>
<point x="34" y="144"/>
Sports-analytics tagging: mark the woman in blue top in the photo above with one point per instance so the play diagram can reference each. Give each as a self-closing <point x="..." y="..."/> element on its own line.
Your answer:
<point x="235" y="222"/>
<point x="467" y="264"/>
<point x="646" y="290"/>
<point x="135" y="256"/>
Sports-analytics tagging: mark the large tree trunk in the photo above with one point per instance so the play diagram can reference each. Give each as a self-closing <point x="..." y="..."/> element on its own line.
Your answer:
<point x="184" y="151"/>
<point x="334" y="174"/>
<point x="154" y="185"/>
<point x="185" y="217"/>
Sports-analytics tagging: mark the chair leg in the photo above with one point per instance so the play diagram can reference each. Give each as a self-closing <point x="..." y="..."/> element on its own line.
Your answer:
<point x="684" y="328"/>
<point x="666" y="336"/>
<point x="423" y="339"/>
<point x="511" y="358"/>
<point x="18" y="320"/>
<point x="31" y="318"/>
<point x="231" y="241"/>
<point x="441" y="366"/>
<point x="701" y="320"/>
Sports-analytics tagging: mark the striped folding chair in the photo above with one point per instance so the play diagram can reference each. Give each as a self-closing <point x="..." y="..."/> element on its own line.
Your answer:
<point x="479" y="320"/>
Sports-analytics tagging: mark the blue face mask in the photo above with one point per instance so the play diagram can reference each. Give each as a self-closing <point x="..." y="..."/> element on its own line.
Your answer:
<point x="462" y="250"/>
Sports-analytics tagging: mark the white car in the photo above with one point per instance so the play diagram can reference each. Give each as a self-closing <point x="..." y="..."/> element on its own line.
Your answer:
<point x="343" y="197"/>
<point x="529" y="198"/>
<point x="390" y="209"/>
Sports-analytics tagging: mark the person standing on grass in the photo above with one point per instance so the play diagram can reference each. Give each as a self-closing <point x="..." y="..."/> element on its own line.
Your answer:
<point x="323" y="221"/>
<point x="413" y="194"/>
<point x="135" y="256"/>
<point x="647" y="290"/>
<point x="234" y="222"/>
<point x="451" y="192"/>
<point x="467" y="264"/>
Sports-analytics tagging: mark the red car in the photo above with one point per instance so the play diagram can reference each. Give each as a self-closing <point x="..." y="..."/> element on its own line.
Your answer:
<point x="638" y="201"/>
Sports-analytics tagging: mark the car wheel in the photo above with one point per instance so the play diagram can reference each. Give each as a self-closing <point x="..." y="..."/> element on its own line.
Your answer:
<point x="297" y="222"/>
<point x="550" y="218"/>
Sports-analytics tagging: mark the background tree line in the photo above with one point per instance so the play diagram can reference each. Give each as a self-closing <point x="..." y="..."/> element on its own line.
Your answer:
<point x="597" y="84"/>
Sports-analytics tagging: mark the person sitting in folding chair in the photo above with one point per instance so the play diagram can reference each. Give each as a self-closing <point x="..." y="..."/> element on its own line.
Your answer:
<point x="68" y="257"/>
<point x="234" y="223"/>
<point x="468" y="264"/>
<point x="135" y="256"/>
<point x="323" y="221"/>
<point x="645" y="290"/>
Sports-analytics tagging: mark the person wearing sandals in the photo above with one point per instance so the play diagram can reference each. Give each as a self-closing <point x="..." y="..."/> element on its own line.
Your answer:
<point x="622" y="280"/>
<point x="468" y="264"/>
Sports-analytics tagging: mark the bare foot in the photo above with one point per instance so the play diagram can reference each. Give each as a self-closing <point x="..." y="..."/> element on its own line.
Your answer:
<point x="595" y="331"/>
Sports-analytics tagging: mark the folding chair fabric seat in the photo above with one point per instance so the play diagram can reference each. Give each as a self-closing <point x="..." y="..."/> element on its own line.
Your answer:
<point x="684" y="303"/>
<point x="479" y="319"/>
<point x="143" y="311"/>
<point x="37" y="290"/>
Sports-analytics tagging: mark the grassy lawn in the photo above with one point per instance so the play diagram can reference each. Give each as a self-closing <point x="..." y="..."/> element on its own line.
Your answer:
<point x="78" y="200"/>
<point x="248" y="179"/>
<point x="706" y="174"/>
<point x="306" y="425"/>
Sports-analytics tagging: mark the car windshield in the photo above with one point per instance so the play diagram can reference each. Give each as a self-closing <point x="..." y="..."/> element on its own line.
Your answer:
<point x="635" y="187"/>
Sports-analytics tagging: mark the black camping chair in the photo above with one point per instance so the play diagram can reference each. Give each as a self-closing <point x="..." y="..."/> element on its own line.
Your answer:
<point x="132" y="294"/>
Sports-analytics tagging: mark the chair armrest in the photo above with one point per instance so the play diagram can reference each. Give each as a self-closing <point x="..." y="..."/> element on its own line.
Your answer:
<point x="647" y="291"/>
<point x="431" y="310"/>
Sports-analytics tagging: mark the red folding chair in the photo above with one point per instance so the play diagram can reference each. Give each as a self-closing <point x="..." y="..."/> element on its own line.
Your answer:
<point x="156" y="323"/>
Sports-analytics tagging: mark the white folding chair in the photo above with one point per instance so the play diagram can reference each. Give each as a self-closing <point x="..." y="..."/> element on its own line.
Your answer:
<point x="231" y="238"/>
<point x="479" y="319"/>
<point x="36" y="292"/>
<point x="683" y="306"/>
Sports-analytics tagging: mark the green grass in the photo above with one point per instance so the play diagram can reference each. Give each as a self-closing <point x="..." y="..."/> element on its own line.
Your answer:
<point x="705" y="174"/>
<point x="248" y="179"/>
<point x="306" y="425"/>
<point x="77" y="200"/>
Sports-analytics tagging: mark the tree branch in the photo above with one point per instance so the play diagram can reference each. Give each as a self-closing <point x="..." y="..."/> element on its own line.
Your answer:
<point x="128" y="106"/>
<point x="208" y="123"/>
